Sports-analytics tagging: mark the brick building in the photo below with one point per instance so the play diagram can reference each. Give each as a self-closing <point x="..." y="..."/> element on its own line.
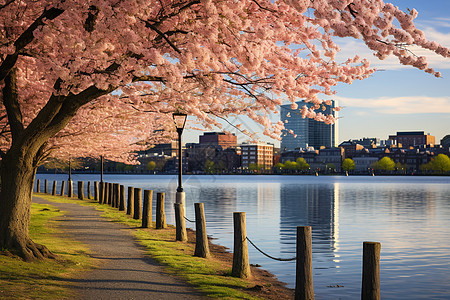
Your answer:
<point x="225" y="140"/>
<point x="412" y="138"/>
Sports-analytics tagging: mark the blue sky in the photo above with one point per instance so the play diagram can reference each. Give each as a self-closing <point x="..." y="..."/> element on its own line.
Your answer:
<point x="396" y="98"/>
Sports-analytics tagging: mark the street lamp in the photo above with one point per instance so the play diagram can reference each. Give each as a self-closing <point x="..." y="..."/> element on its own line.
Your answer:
<point x="69" y="182"/>
<point x="180" y="121"/>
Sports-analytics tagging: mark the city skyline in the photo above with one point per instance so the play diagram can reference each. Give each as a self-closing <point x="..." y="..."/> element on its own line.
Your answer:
<point x="396" y="97"/>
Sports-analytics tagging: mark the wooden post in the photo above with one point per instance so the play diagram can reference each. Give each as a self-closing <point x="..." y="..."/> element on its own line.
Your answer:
<point x="122" y="198"/>
<point x="110" y="193"/>
<point x="63" y="183"/>
<point x="180" y="223"/>
<point x="96" y="193"/>
<point x="45" y="186"/>
<point x="106" y="193"/>
<point x="241" y="265"/>
<point x="69" y="188"/>
<point x="100" y="192"/>
<point x="147" y="209"/>
<point x="130" y="203"/>
<point x="116" y="195"/>
<point x="304" y="277"/>
<point x="371" y="271"/>
<point x="201" y="239"/>
<point x="160" y="214"/>
<point x="137" y="203"/>
<point x="80" y="190"/>
<point x="89" y="190"/>
<point x="54" y="188"/>
<point x="38" y="186"/>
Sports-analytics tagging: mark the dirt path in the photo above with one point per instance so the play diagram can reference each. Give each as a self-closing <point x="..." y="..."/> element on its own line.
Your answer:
<point x="124" y="273"/>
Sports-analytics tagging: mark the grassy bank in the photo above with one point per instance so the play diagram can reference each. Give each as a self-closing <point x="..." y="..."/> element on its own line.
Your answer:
<point x="46" y="279"/>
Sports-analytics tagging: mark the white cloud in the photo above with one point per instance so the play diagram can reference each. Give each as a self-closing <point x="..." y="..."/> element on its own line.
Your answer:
<point x="399" y="105"/>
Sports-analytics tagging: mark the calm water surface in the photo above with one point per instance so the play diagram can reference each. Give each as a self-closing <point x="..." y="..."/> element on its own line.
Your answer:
<point x="410" y="216"/>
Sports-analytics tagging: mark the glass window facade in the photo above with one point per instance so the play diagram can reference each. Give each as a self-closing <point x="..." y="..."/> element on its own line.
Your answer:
<point x="309" y="132"/>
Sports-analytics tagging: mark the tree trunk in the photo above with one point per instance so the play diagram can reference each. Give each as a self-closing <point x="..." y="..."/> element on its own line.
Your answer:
<point x="17" y="177"/>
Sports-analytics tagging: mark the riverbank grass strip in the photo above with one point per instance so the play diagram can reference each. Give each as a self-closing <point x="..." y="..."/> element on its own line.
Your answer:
<point x="49" y="278"/>
<point x="211" y="276"/>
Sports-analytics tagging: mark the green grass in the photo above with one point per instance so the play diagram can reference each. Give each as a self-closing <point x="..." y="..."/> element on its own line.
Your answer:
<point x="49" y="278"/>
<point x="210" y="276"/>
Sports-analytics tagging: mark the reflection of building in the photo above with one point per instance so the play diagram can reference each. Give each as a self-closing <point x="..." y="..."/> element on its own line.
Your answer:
<point x="260" y="154"/>
<point x="413" y="138"/>
<point x="225" y="140"/>
<point x="310" y="205"/>
<point x="307" y="132"/>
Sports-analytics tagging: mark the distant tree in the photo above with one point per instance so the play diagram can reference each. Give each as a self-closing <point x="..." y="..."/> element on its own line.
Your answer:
<point x="120" y="167"/>
<point x="348" y="164"/>
<point x="289" y="165"/>
<point x="302" y="165"/>
<point x="255" y="167"/>
<point x="128" y="168"/>
<point x="209" y="167"/>
<point x="221" y="166"/>
<point x="60" y="164"/>
<point x="331" y="166"/>
<point x="384" y="164"/>
<point x="151" y="165"/>
<point x="160" y="165"/>
<point x="400" y="167"/>
<point x="279" y="166"/>
<point x="439" y="164"/>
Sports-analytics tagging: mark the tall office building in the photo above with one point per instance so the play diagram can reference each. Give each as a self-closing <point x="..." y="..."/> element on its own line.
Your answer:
<point x="309" y="132"/>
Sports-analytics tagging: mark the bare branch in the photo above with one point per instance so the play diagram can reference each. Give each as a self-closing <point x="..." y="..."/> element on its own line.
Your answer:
<point x="161" y="34"/>
<point x="263" y="8"/>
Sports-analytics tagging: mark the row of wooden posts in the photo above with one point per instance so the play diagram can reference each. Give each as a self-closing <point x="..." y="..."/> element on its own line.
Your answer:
<point x="114" y="194"/>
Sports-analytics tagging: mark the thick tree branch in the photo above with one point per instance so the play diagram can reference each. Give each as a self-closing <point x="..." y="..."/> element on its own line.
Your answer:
<point x="11" y="103"/>
<point x="70" y="106"/>
<point x="26" y="38"/>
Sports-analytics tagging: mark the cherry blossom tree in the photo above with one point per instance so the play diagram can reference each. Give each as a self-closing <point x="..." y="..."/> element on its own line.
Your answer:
<point x="103" y="76"/>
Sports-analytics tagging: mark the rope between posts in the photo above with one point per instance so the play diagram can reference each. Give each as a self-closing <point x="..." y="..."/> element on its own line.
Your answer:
<point x="189" y="220"/>
<point x="274" y="258"/>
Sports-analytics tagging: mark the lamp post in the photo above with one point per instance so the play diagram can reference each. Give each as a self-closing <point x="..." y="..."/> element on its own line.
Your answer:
<point x="101" y="168"/>
<point x="180" y="121"/>
<point x="69" y="182"/>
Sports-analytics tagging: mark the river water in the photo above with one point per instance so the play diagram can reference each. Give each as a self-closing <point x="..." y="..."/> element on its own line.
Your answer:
<point x="409" y="216"/>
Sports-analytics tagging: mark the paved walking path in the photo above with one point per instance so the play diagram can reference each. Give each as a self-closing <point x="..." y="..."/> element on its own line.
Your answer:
<point x="124" y="273"/>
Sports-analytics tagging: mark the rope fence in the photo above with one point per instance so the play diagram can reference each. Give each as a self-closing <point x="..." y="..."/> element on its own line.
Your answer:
<point x="189" y="220"/>
<point x="269" y="256"/>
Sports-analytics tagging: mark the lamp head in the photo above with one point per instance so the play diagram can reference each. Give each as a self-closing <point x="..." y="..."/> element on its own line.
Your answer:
<point x="180" y="120"/>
